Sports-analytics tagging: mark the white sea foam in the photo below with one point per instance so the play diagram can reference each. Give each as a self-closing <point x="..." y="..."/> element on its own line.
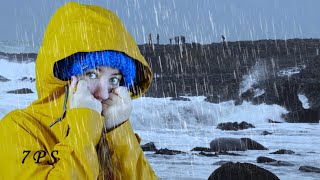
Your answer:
<point x="290" y="71"/>
<point x="304" y="100"/>
<point x="258" y="92"/>
<point x="256" y="74"/>
<point x="14" y="71"/>
<point x="163" y="113"/>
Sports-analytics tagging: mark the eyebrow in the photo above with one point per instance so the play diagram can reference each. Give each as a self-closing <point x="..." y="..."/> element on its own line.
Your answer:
<point x="116" y="74"/>
<point x="113" y="74"/>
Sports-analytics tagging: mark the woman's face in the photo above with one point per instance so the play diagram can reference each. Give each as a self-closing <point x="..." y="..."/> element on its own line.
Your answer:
<point x="101" y="81"/>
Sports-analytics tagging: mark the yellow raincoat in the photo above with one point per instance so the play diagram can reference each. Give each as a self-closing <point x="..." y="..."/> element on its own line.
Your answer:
<point x="30" y="149"/>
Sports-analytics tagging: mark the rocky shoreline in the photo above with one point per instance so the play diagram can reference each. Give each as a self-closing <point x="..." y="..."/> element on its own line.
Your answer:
<point x="240" y="147"/>
<point x="283" y="69"/>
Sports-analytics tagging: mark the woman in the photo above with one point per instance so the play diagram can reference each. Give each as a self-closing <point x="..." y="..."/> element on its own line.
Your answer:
<point x="79" y="128"/>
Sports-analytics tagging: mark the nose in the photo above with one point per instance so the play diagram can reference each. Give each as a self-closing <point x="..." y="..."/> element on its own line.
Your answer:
<point x="102" y="91"/>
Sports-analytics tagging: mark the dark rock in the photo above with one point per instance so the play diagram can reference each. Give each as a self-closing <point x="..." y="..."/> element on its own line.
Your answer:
<point x="273" y="162"/>
<point x="19" y="57"/>
<point x="307" y="115"/>
<point x="179" y="98"/>
<point x="208" y="154"/>
<point x="3" y="79"/>
<point x="227" y="153"/>
<point x="168" y="152"/>
<point x="221" y="163"/>
<point x="310" y="84"/>
<point x="309" y="169"/>
<point x="241" y="171"/>
<point x="148" y="147"/>
<point x="248" y="95"/>
<point x="266" y="133"/>
<point x="238" y="101"/>
<point x="283" y="151"/>
<point x="272" y="121"/>
<point x="281" y="90"/>
<point x="279" y="163"/>
<point x="262" y="159"/>
<point x="253" y="145"/>
<point x="21" y="91"/>
<point x="235" y="126"/>
<point x="28" y="79"/>
<point x="213" y="99"/>
<point x="311" y="152"/>
<point x="227" y="144"/>
<point x="205" y="149"/>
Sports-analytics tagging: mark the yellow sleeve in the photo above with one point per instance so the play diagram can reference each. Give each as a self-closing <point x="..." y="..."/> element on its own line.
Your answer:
<point x="76" y="154"/>
<point x="127" y="158"/>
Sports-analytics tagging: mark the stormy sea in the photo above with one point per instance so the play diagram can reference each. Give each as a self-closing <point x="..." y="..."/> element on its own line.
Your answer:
<point x="267" y="91"/>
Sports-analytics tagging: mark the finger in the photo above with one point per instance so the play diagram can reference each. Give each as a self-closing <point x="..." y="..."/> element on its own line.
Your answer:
<point x="122" y="92"/>
<point x="115" y="98"/>
<point x="83" y="87"/>
<point x="107" y="103"/>
<point x="73" y="84"/>
<point x="110" y="102"/>
<point x="72" y="88"/>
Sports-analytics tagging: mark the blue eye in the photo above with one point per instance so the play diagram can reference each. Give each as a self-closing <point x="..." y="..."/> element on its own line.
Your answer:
<point x="114" y="81"/>
<point x="92" y="75"/>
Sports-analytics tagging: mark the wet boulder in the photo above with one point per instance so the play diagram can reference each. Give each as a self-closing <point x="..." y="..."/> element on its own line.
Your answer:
<point x="241" y="171"/>
<point x="205" y="149"/>
<point x="272" y="162"/>
<point x="266" y="133"/>
<point x="28" y="79"/>
<point x="283" y="151"/>
<point x="279" y="163"/>
<point x="272" y="121"/>
<point x="220" y="163"/>
<point x="309" y="169"/>
<point x="208" y="154"/>
<point x="253" y="145"/>
<point x="148" y="147"/>
<point x="3" y="79"/>
<point x="227" y="144"/>
<point x="227" y="153"/>
<point x="234" y="126"/>
<point x="21" y="91"/>
<point x="168" y="152"/>
<point x="262" y="159"/>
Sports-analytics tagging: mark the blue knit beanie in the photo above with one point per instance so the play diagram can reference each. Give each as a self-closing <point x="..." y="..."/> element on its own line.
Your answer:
<point x="79" y="63"/>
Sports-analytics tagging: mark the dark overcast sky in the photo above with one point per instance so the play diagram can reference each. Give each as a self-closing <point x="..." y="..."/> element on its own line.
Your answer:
<point x="199" y="20"/>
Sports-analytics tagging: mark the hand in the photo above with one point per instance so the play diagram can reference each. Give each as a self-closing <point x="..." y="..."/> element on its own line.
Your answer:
<point x="117" y="108"/>
<point x="81" y="97"/>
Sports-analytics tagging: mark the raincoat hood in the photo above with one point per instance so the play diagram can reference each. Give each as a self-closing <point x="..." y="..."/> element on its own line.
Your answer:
<point x="81" y="28"/>
<point x="84" y="28"/>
